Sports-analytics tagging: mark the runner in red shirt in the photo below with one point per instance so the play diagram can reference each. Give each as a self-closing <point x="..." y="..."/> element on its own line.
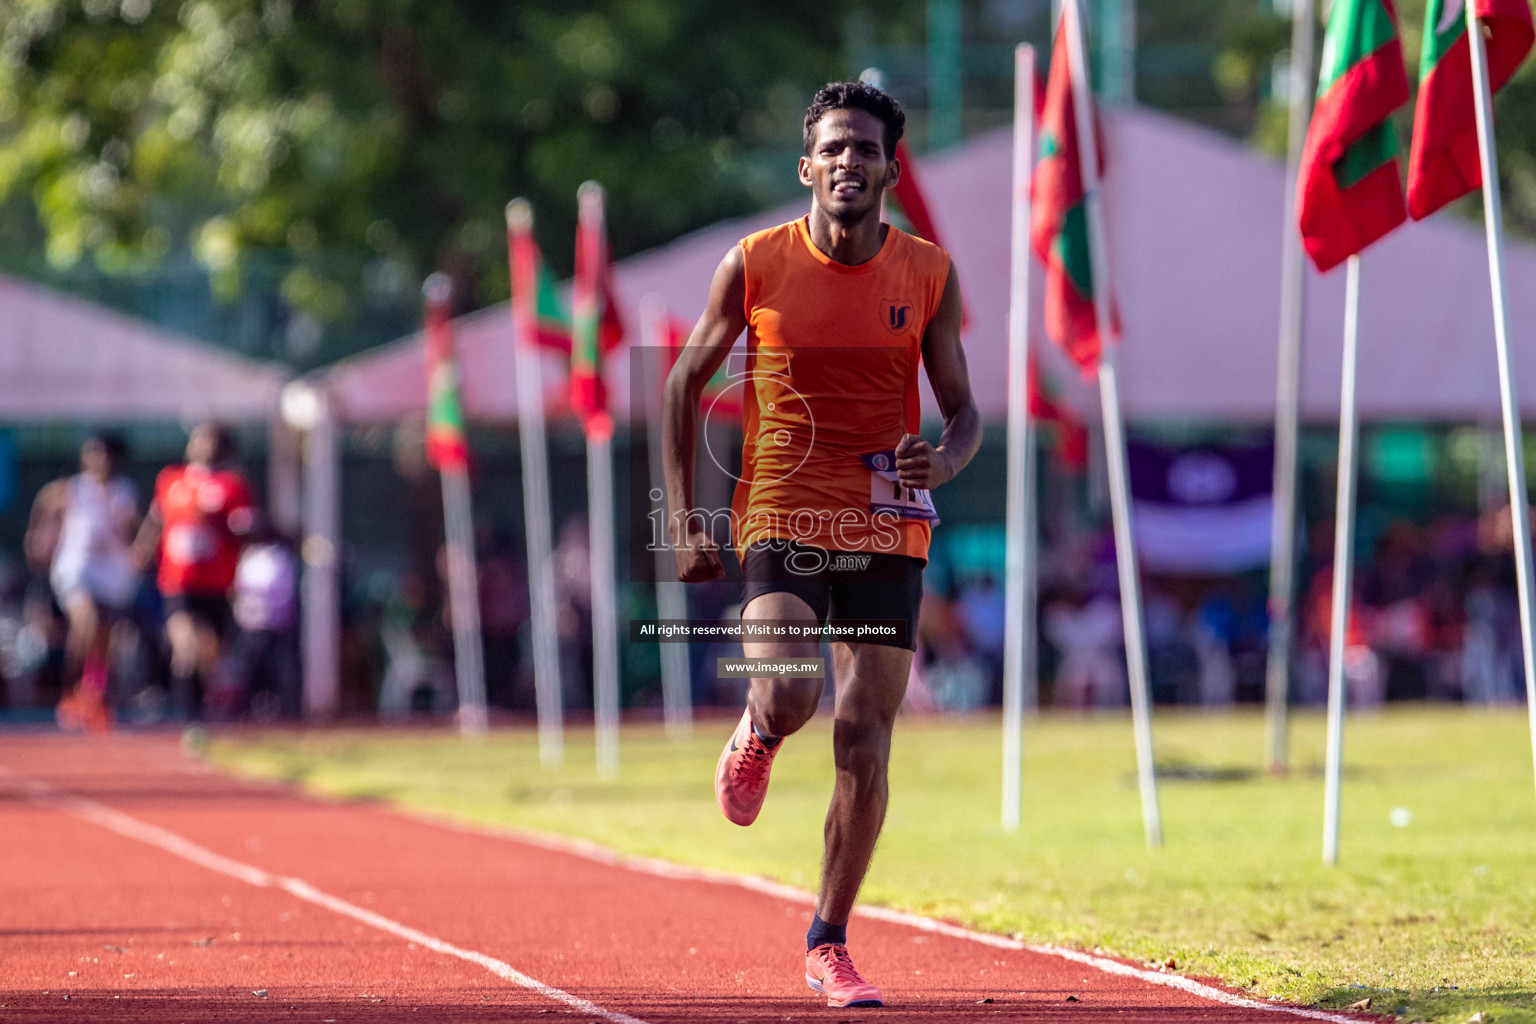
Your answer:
<point x="197" y="522"/>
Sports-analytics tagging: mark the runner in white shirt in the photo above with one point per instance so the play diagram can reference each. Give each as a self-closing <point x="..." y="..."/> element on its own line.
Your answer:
<point x="89" y="521"/>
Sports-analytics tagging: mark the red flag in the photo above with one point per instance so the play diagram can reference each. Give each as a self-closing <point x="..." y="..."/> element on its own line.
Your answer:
<point x="530" y="308"/>
<point x="447" y="447"/>
<point x="534" y="293"/>
<point x="908" y="193"/>
<point x="596" y="327"/>
<point x="1059" y="217"/>
<point x="1349" y="192"/>
<point x="1071" y="434"/>
<point x="913" y="203"/>
<point x="719" y="396"/>
<point x="1443" y="159"/>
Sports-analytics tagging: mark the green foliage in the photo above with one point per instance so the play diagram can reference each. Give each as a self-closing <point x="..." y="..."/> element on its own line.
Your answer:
<point x="397" y="128"/>
<point x="1430" y="912"/>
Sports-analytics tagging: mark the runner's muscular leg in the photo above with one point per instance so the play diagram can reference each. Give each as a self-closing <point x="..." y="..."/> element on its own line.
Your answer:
<point x="871" y="681"/>
<point x="781" y="706"/>
<point x="181" y="630"/>
<point x="208" y="647"/>
<point x="81" y="638"/>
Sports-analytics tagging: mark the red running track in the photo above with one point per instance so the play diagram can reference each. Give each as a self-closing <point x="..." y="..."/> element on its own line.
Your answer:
<point x="139" y="886"/>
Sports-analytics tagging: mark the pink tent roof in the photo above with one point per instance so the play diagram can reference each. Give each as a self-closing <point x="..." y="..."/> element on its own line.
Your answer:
<point x="63" y="358"/>
<point x="1194" y="221"/>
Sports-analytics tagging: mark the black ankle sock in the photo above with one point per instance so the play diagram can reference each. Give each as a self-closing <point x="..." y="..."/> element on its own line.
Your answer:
<point x="822" y="933"/>
<point x="768" y="741"/>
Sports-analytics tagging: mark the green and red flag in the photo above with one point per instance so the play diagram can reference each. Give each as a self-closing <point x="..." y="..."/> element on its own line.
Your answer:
<point x="552" y="323"/>
<point x="718" y="396"/>
<point x="912" y="204"/>
<point x="1058" y="228"/>
<point x="1443" y="159"/>
<point x="447" y="446"/>
<point x="1071" y="435"/>
<point x="1349" y="191"/>
<point x="596" y="327"/>
<point x="550" y="320"/>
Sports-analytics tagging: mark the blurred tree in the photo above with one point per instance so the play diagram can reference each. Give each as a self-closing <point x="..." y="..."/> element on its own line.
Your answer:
<point x="130" y="129"/>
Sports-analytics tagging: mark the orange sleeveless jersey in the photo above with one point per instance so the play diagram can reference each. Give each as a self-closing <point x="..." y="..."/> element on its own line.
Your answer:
<point x="832" y="359"/>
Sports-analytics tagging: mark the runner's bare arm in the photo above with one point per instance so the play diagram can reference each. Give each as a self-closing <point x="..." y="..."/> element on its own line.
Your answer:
<point x="128" y="522"/>
<point x="44" y="525"/>
<point x="722" y="322"/>
<point x="919" y="464"/>
<point x="148" y="540"/>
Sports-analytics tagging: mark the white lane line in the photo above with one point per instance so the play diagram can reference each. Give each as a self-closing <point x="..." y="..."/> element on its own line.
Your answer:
<point x="132" y="828"/>
<point x="656" y="867"/>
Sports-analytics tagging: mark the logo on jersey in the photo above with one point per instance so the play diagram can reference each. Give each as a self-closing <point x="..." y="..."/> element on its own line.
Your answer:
<point x="896" y="315"/>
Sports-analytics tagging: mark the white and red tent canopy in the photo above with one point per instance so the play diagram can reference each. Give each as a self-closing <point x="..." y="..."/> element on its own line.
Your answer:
<point x="1195" y="231"/>
<point x="62" y="358"/>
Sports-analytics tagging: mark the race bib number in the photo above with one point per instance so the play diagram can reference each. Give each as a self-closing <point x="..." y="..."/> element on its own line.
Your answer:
<point x="191" y="544"/>
<point x="887" y="495"/>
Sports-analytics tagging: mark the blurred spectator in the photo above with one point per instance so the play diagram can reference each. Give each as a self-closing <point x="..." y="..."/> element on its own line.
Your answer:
<point x="264" y="655"/>
<point x="1088" y="640"/>
<point x="416" y="676"/>
<point x="573" y="617"/>
<point x="982" y="610"/>
<point x="1215" y="633"/>
<point x="503" y="587"/>
<point x="954" y="678"/>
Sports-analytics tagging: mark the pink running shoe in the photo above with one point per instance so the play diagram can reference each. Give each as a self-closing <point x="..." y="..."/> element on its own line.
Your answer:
<point x="741" y="777"/>
<point x="828" y="970"/>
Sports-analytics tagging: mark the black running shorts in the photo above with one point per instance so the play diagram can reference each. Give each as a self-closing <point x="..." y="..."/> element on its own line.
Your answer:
<point x="841" y="587"/>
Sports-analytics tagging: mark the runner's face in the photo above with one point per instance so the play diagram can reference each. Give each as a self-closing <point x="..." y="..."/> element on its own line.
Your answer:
<point x="200" y="446"/>
<point x="94" y="460"/>
<point x="846" y="169"/>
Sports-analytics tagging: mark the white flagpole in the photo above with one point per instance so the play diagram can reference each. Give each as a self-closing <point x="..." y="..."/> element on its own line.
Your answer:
<point x="309" y="407"/>
<point x="463" y="591"/>
<point x="1019" y="647"/>
<point x="671" y="602"/>
<point x="605" y="620"/>
<point x="1519" y="503"/>
<point x="1343" y="563"/>
<point x="1282" y="561"/>
<point x="605" y="616"/>
<point x="1114" y="431"/>
<point x="541" y="567"/>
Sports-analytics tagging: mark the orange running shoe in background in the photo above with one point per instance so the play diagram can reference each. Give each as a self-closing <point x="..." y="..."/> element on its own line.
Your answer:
<point x="741" y="777"/>
<point x="829" y="970"/>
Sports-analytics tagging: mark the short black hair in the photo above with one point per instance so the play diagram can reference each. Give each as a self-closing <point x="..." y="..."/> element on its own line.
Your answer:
<point x="112" y="444"/>
<point x="856" y="96"/>
<point x="224" y="447"/>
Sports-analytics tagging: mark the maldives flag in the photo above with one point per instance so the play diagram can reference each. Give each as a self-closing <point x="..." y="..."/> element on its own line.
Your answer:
<point x="447" y="448"/>
<point x="551" y="321"/>
<point x="719" y="395"/>
<point x="1349" y="191"/>
<point x="1071" y="435"/>
<point x="912" y="203"/>
<point x="1443" y="159"/>
<point x="908" y="193"/>
<point x="596" y="327"/>
<point x="1058" y="229"/>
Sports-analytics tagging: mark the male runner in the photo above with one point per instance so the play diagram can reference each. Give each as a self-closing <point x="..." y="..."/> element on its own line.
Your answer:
<point x="200" y="515"/>
<point x="831" y="516"/>
<point x="81" y="528"/>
